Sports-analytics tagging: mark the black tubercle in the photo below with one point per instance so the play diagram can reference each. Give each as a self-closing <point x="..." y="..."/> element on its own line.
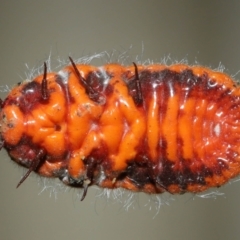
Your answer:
<point x="44" y="88"/>
<point x="139" y="98"/>
<point x="93" y="95"/>
<point x="86" y="184"/>
<point x="34" y="165"/>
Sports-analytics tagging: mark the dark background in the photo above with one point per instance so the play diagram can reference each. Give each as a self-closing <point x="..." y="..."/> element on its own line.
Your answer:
<point x="206" y="32"/>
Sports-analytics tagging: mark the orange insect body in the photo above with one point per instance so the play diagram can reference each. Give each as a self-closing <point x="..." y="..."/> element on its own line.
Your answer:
<point x="144" y="128"/>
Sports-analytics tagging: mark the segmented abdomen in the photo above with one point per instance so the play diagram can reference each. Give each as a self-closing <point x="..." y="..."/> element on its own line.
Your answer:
<point x="145" y="128"/>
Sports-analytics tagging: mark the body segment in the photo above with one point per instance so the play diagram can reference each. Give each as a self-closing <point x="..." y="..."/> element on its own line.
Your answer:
<point x="144" y="128"/>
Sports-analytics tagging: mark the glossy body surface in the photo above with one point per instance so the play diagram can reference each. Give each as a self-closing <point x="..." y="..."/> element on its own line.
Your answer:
<point x="149" y="128"/>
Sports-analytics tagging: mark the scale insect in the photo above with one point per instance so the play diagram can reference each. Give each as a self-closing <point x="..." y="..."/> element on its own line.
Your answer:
<point x="152" y="128"/>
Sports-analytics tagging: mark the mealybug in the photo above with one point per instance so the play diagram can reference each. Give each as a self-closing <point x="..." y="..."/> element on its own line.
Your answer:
<point x="149" y="128"/>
